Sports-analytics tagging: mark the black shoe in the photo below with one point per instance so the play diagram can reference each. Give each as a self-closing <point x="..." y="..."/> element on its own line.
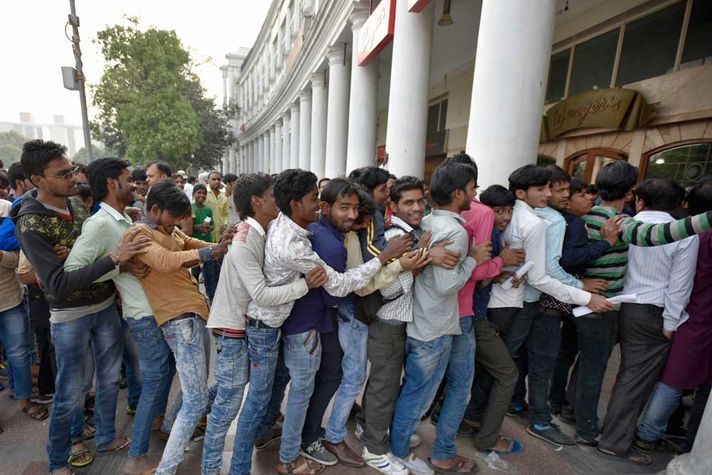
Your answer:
<point x="584" y="441"/>
<point x="660" y="446"/>
<point x="551" y="433"/>
<point x="265" y="441"/>
<point x="567" y="415"/>
<point x="517" y="409"/>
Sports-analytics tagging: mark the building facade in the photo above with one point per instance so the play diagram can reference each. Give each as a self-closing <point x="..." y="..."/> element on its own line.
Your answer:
<point x="331" y="85"/>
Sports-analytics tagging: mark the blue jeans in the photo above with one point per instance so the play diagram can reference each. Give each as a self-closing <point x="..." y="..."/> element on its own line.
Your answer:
<point x="263" y="349"/>
<point x="661" y="405"/>
<point x="158" y="367"/>
<point x="459" y="374"/>
<point x="425" y="365"/>
<point x="302" y="356"/>
<point x="71" y="342"/>
<point x="13" y="333"/>
<point x="231" y="376"/>
<point x="134" y="378"/>
<point x="353" y="337"/>
<point x="185" y="337"/>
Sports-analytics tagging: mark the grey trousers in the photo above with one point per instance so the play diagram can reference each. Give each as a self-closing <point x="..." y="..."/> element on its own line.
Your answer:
<point x="644" y="351"/>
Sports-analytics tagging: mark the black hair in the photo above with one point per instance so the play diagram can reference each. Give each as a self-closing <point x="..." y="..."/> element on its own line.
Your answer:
<point x="527" y="176"/>
<point x="403" y="184"/>
<point x="699" y="198"/>
<point x="292" y="184"/>
<point x="229" y="177"/>
<point x="336" y="188"/>
<point x="247" y="186"/>
<point x="15" y="173"/>
<point x="162" y="166"/>
<point x="369" y="177"/>
<point x="578" y="185"/>
<point x="464" y="159"/>
<point x="593" y="189"/>
<point x="366" y="204"/>
<point x="192" y="180"/>
<point x="4" y="180"/>
<point x="661" y="194"/>
<point x="168" y="197"/>
<point x="213" y="172"/>
<point x="616" y="179"/>
<point x="138" y="174"/>
<point x="497" y="195"/>
<point x="100" y="170"/>
<point x="199" y="187"/>
<point x="84" y="191"/>
<point x="448" y="178"/>
<point x="36" y="155"/>
<point x="558" y="174"/>
<point x="322" y="180"/>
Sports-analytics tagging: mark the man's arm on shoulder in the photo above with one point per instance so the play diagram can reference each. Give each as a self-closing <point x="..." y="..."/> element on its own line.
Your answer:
<point x="160" y="259"/>
<point x="448" y="281"/>
<point x="90" y="246"/>
<point x="648" y="234"/>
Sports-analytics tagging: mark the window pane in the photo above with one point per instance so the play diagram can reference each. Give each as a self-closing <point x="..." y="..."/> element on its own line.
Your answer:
<point x="650" y="44"/>
<point x="686" y="164"/>
<point x="593" y="63"/>
<point x="579" y="169"/>
<point x="558" y="68"/>
<point x="443" y="115"/>
<point x="433" y="115"/>
<point x="698" y="43"/>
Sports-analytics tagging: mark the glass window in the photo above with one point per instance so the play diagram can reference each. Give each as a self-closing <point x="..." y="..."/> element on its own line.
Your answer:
<point x="558" y="69"/>
<point x="650" y="45"/>
<point x="587" y="165"/>
<point x="686" y="164"/>
<point x="698" y="42"/>
<point x="593" y="63"/>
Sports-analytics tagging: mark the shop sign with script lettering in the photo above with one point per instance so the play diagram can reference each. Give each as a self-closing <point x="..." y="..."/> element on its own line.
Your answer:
<point x="376" y="32"/>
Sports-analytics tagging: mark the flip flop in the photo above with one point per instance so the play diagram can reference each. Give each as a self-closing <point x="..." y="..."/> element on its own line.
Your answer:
<point x="118" y="448"/>
<point x="453" y="469"/>
<point x="80" y="459"/>
<point x="628" y="457"/>
<point x="40" y="411"/>
<point x="513" y="447"/>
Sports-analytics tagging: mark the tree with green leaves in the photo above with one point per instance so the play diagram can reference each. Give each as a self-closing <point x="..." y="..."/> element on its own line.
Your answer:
<point x="11" y="147"/>
<point x="98" y="152"/>
<point x="151" y="106"/>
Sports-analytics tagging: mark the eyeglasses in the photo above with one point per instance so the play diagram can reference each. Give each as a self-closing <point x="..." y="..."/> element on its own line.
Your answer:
<point x="66" y="175"/>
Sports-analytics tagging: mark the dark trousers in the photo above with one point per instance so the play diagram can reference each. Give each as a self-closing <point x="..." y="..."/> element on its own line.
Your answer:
<point x="492" y="360"/>
<point x="39" y="319"/>
<point x="327" y="381"/>
<point x="568" y="350"/>
<point x="542" y="349"/>
<point x="698" y="408"/>
<point x="644" y="350"/>
<point x="386" y="352"/>
<point x="211" y="274"/>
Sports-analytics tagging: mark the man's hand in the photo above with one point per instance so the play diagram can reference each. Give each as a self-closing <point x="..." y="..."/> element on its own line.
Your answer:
<point x="412" y="261"/>
<point x="204" y="228"/>
<point x="241" y="233"/>
<point x="137" y="268"/>
<point x="424" y="240"/>
<point x="219" y="250"/>
<point x="512" y="257"/>
<point x="227" y="234"/>
<point x="599" y="304"/>
<point x="316" y="277"/>
<point x="595" y="286"/>
<point x="481" y="253"/>
<point x="443" y="257"/>
<point x="668" y="334"/>
<point x="132" y="244"/>
<point x="61" y="251"/>
<point x="396" y="247"/>
<point x="611" y="230"/>
<point x="139" y="197"/>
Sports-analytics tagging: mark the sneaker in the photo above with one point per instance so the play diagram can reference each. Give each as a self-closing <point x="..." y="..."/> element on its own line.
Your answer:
<point x="416" y="465"/>
<point x="551" y="433"/>
<point x="415" y="440"/>
<point x="43" y="399"/>
<point x="316" y="452"/>
<point x="516" y="409"/>
<point x="358" y="431"/>
<point x="386" y="463"/>
<point x="263" y="442"/>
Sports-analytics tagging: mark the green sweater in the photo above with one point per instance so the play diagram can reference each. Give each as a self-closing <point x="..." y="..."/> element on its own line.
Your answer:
<point x="612" y="265"/>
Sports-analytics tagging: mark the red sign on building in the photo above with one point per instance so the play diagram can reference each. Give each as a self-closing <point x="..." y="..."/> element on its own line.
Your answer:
<point x="376" y="32"/>
<point x="417" y="6"/>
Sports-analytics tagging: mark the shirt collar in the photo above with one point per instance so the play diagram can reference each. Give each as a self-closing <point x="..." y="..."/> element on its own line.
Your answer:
<point x="149" y="222"/>
<point x="255" y="224"/>
<point x="284" y="220"/>
<point x="524" y="206"/>
<point x="450" y="214"/>
<point x="324" y="221"/>
<point x="114" y="213"/>
<point x="396" y="221"/>
<point x="662" y="216"/>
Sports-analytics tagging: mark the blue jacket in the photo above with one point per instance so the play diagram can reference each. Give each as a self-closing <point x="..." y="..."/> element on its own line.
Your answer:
<point x="577" y="250"/>
<point x="8" y="241"/>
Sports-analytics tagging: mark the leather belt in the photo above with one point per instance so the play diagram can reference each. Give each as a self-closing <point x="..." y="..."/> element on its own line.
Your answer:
<point x="184" y="316"/>
<point x="254" y="323"/>
<point x="553" y="312"/>
<point x="231" y="335"/>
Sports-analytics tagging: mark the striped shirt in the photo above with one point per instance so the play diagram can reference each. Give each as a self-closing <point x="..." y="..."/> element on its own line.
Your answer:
<point x="399" y="295"/>
<point x="611" y="266"/>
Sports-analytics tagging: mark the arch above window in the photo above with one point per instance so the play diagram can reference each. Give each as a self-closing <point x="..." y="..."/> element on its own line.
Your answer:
<point x="686" y="162"/>
<point x="586" y="164"/>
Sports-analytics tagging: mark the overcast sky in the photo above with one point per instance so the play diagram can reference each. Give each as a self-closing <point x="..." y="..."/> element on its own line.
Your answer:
<point x="34" y="46"/>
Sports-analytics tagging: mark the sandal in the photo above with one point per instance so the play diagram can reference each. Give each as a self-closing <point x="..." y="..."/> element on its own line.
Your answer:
<point x="456" y="468"/>
<point x="87" y="434"/>
<point x="513" y="447"/>
<point x="118" y="448"/>
<point x="80" y="459"/>
<point x="306" y="467"/>
<point x="632" y="456"/>
<point x="39" y="413"/>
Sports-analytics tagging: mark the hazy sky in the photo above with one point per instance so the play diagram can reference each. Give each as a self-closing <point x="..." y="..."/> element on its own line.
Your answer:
<point x="34" y="46"/>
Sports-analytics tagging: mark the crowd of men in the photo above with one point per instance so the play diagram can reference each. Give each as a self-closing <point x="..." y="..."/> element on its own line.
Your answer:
<point x="305" y="283"/>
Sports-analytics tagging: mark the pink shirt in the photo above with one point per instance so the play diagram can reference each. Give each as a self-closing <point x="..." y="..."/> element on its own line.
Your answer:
<point x="479" y="223"/>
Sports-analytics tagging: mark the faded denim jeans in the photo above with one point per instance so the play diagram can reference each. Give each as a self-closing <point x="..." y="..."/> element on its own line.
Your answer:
<point x="185" y="339"/>
<point x="231" y="376"/>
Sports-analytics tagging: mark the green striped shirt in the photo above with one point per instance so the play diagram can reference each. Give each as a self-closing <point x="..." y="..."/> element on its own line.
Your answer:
<point x="612" y="265"/>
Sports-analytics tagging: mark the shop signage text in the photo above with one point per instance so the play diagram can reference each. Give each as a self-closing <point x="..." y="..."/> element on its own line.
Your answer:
<point x="376" y="32"/>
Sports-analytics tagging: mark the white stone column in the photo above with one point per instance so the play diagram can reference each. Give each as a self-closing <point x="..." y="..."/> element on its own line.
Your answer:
<point x="511" y="69"/>
<point x="337" y="115"/>
<point x="294" y="145"/>
<point x="408" y="99"/>
<point x="286" y="141"/>
<point x="272" y="149"/>
<point x="278" y="146"/>
<point x="363" y="104"/>
<point x="263" y="153"/>
<point x="305" y="117"/>
<point x="318" y="125"/>
<point x="232" y="159"/>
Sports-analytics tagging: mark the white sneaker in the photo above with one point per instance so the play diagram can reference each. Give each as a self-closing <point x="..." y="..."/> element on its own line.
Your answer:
<point x="358" y="432"/>
<point x="417" y="466"/>
<point x="386" y="463"/>
<point x="415" y="440"/>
